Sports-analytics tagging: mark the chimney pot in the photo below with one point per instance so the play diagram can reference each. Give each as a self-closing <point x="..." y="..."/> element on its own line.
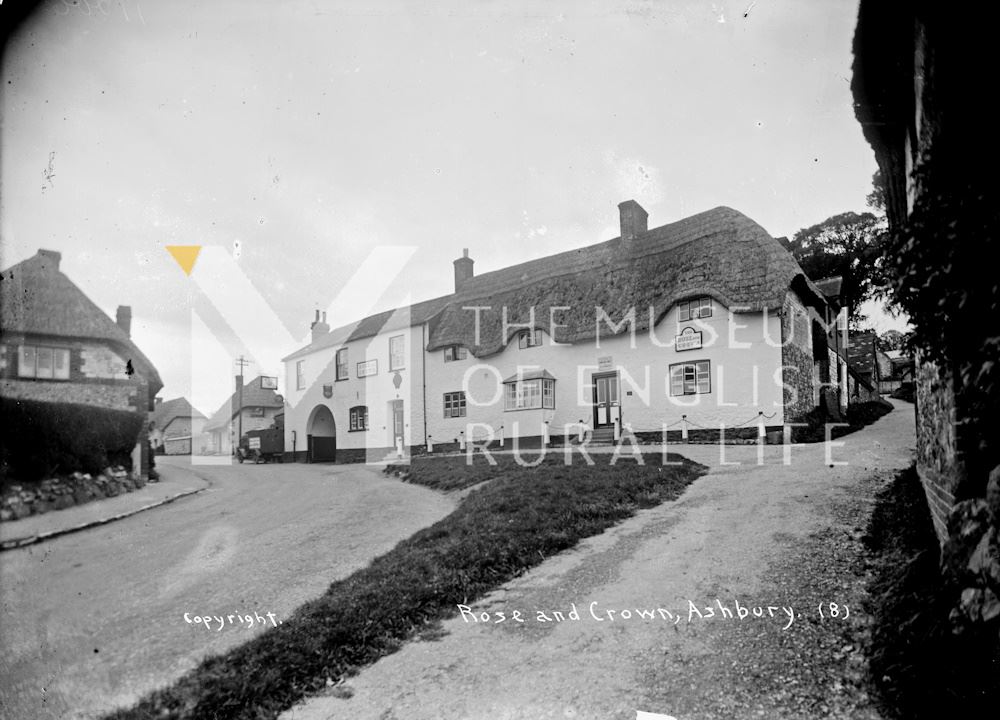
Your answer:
<point x="124" y="319"/>
<point x="633" y="220"/>
<point x="463" y="269"/>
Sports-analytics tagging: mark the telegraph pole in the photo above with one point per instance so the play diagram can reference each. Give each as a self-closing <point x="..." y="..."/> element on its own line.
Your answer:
<point x="242" y="362"/>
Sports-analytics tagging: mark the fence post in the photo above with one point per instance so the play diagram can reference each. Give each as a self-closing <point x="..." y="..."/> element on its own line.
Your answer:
<point x="684" y="428"/>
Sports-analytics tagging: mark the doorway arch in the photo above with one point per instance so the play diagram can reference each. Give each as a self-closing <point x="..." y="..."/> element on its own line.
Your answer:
<point x="321" y="435"/>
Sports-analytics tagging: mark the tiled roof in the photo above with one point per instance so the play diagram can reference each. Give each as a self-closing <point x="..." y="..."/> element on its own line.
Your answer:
<point x="861" y="352"/>
<point x="169" y="410"/>
<point x="37" y="299"/>
<point x="720" y="253"/>
<point x="253" y="396"/>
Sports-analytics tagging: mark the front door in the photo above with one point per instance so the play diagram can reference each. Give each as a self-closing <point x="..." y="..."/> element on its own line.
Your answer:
<point x="605" y="400"/>
<point x="397" y="424"/>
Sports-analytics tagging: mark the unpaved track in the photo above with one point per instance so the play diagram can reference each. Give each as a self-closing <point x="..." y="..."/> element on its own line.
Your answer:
<point x="763" y="535"/>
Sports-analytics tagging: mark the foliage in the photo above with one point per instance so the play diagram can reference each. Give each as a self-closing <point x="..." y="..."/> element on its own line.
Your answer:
<point x="876" y="198"/>
<point x="919" y="668"/>
<point x="894" y="340"/>
<point x="499" y="531"/>
<point x="943" y="275"/>
<point x="849" y="245"/>
<point x="41" y="439"/>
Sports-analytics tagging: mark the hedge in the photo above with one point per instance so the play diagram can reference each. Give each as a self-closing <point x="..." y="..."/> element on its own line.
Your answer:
<point x="42" y="439"/>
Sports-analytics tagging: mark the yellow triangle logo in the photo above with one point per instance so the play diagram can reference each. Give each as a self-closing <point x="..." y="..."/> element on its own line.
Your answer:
<point x="185" y="255"/>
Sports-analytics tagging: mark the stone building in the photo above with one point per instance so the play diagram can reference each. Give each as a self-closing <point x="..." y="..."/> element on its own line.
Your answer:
<point x="57" y="346"/>
<point x="699" y="328"/>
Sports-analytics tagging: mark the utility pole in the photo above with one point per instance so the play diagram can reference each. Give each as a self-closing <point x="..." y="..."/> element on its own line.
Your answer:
<point x="242" y="362"/>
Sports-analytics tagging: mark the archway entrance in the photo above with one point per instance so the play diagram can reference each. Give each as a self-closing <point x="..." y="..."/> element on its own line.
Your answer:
<point x="321" y="435"/>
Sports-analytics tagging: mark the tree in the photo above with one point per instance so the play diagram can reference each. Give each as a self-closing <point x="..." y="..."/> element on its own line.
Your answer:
<point x="849" y="245"/>
<point x="893" y="340"/>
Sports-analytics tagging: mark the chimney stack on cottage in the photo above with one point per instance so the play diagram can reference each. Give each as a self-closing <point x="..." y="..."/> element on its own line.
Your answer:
<point x="634" y="220"/>
<point x="463" y="269"/>
<point x="319" y="326"/>
<point x="124" y="319"/>
<point x="52" y="256"/>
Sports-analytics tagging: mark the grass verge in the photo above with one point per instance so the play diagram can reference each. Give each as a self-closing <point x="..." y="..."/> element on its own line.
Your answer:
<point x="496" y="533"/>
<point x="919" y="668"/>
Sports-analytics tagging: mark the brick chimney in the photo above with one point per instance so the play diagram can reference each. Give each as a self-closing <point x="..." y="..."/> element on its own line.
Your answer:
<point x="633" y="220"/>
<point x="52" y="257"/>
<point x="319" y="327"/>
<point x="124" y="319"/>
<point x="463" y="269"/>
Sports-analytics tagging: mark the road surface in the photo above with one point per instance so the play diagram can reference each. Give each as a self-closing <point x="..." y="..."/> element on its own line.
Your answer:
<point x="96" y="619"/>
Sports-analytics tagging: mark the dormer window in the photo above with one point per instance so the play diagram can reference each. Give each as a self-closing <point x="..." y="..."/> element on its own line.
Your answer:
<point x="455" y="352"/>
<point x="694" y="309"/>
<point x="529" y="338"/>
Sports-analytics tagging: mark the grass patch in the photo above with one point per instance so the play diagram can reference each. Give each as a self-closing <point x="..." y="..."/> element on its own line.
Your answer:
<point x="919" y="668"/>
<point x="498" y="531"/>
<point x="455" y="472"/>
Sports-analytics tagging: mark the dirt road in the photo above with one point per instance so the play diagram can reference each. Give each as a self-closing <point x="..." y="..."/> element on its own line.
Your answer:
<point x="646" y="623"/>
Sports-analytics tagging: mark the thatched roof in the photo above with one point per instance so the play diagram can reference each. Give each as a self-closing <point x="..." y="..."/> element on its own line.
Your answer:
<point x="253" y="396"/>
<point x="720" y="253"/>
<point x="169" y="410"/>
<point x="37" y="299"/>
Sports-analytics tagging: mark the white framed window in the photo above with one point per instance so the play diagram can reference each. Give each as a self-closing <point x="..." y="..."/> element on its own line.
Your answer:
<point x="529" y="338"/>
<point x="300" y="375"/>
<point x="529" y="394"/>
<point x="367" y="367"/>
<point x="47" y="363"/>
<point x="691" y="378"/>
<point x="695" y="308"/>
<point x="342" y="364"/>
<point x="358" y="417"/>
<point x="454" y="404"/>
<point x="397" y="352"/>
<point x="455" y="352"/>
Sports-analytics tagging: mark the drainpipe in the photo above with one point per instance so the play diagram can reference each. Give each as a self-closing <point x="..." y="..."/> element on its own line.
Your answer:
<point x="423" y="373"/>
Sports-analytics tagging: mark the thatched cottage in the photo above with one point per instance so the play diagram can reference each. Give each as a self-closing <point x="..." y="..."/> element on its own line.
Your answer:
<point x="700" y="327"/>
<point x="77" y="384"/>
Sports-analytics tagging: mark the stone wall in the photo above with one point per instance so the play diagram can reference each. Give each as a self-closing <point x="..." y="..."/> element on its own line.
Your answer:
<point x="20" y="501"/>
<point x="796" y="359"/>
<point x="938" y="462"/>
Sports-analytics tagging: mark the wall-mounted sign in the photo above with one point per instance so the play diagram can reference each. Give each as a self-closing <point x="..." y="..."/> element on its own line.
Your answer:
<point x="268" y="383"/>
<point x="689" y="339"/>
<point x="328" y="391"/>
<point x="605" y="363"/>
<point x="367" y="367"/>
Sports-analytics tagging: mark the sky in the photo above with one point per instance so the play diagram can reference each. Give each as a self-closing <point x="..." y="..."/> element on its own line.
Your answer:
<point x="302" y="135"/>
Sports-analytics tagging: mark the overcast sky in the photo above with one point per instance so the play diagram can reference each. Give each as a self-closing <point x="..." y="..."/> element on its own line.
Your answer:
<point x="311" y="132"/>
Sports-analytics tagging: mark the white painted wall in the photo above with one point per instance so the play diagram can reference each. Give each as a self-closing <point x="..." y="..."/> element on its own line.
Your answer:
<point x="744" y="379"/>
<point x="376" y="392"/>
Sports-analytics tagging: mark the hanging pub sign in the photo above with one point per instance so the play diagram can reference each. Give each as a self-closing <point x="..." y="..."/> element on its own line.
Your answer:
<point x="689" y="339"/>
<point x="268" y="383"/>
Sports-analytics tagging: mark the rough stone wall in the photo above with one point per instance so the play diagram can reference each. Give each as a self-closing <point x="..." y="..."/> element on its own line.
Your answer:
<point x="122" y="395"/>
<point x="796" y="360"/>
<point x="938" y="463"/>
